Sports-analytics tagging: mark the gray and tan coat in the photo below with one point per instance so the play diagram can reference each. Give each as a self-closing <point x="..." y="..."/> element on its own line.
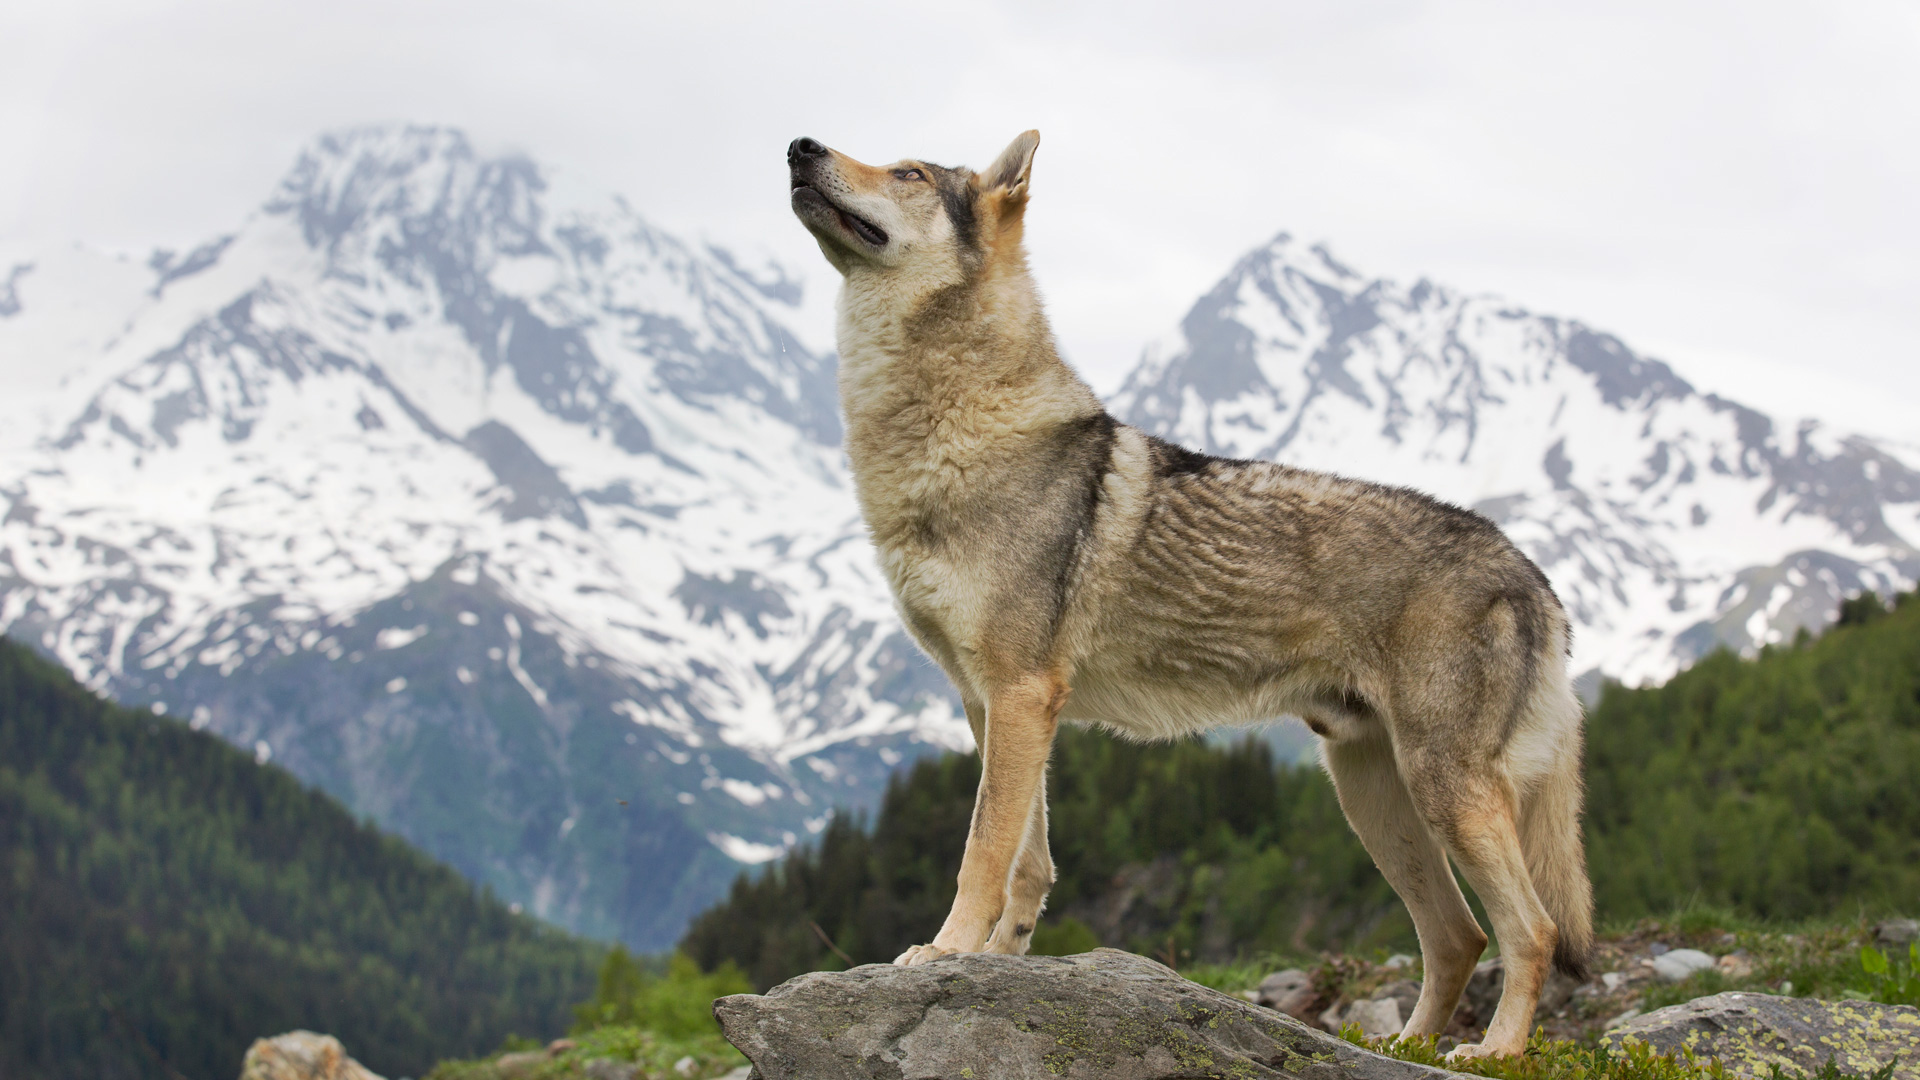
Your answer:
<point x="1061" y="566"/>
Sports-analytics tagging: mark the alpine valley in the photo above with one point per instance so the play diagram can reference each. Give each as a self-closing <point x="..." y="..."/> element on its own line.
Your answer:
<point x="521" y="526"/>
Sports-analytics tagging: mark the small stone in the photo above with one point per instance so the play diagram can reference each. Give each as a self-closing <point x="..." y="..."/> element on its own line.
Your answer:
<point x="1658" y="949"/>
<point x="1612" y="980"/>
<point x="685" y="1065"/>
<point x="1735" y="966"/>
<point x="1679" y="965"/>
<point x="520" y="1063"/>
<point x="1398" y="961"/>
<point x="1380" y="1016"/>
<point x="1896" y="932"/>
<point x="1290" y="991"/>
<point x="1404" y="991"/>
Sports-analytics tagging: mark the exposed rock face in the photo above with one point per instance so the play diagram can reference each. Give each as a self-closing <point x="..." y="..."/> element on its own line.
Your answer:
<point x="1105" y="1014"/>
<point x="1749" y="1032"/>
<point x="301" y="1055"/>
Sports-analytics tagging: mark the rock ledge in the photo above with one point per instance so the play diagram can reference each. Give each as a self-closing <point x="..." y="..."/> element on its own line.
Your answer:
<point x="1105" y="1014"/>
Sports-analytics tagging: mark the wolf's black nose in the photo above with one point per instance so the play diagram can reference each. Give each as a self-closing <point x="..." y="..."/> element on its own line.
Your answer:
<point x="803" y="148"/>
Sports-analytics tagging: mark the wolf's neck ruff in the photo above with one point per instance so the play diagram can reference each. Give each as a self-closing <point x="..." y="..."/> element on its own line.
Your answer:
<point x="946" y="390"/>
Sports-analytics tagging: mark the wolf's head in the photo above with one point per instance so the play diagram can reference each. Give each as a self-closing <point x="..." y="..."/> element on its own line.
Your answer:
<point x="912" y="221"/>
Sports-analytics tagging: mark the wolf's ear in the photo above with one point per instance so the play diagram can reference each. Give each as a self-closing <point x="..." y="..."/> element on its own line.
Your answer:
<point x="1010" y="171"/>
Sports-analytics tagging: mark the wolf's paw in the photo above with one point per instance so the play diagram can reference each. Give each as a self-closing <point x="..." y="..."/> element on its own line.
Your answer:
<point x="920" y="954"/>
<point x="1469" y="1051"/>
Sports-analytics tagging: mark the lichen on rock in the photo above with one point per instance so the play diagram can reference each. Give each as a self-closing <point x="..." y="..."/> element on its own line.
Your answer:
<point x="1749" y="1033"/>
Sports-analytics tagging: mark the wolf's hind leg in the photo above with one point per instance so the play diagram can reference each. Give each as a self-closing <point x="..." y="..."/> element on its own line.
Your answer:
<point x="1478" y="817"/>
<point x="1382" y="813"/>
<point x="1027" y="890"/>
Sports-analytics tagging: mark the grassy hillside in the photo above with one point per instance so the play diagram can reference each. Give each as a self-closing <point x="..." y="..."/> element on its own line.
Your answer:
<point x="1780" y="787"/>
<point x="164" y="901"/>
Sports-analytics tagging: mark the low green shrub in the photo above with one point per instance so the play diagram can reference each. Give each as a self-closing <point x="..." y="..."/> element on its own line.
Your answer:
<point x="1893" y="981"/>
<point x="655" y="1017"/>
<point x="674" y="1004"/>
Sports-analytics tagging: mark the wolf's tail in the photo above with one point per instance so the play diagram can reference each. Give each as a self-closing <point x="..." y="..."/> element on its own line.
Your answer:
<point x="1550" y="835"/>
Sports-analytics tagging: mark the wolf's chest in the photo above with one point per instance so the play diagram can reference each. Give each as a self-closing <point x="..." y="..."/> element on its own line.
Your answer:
<point x="946" y="604"/>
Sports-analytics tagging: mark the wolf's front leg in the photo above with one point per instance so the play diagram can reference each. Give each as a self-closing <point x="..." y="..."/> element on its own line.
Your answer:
<point x="1032" y="880"/>
<point x="1021" y="719"/>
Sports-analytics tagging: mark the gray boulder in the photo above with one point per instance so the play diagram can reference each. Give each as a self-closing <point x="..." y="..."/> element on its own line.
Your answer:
<point x="1105" y="1014"/>
<point x="1749" y="1032"/>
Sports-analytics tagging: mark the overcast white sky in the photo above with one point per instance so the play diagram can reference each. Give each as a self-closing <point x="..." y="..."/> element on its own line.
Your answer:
<point x="1729" y="186"/>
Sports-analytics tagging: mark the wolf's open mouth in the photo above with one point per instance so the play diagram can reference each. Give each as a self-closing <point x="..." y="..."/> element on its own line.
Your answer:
<point x="862" y="228"/>
<point x="858" y="226"/>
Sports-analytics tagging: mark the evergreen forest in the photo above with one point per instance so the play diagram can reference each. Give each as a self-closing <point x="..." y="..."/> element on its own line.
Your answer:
<point x="164" y="900"/>
<point x="1784" y="787"/>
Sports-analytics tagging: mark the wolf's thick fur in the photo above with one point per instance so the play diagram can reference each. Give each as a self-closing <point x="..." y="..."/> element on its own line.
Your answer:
<point x="1060" y="565"/>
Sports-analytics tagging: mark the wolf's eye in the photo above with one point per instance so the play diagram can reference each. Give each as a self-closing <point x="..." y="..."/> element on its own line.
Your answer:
<point x="908" y="174"/>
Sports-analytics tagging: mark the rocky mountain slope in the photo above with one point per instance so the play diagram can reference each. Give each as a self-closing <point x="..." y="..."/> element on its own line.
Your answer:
<point x="521" y="525"/>
<point x="500" y="514"/>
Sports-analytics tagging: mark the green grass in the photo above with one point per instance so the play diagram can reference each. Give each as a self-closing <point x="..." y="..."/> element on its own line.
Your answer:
<point x="654" y="1053"/>
<point x="1832" y="960"/>
<point x="1555" y="1059"/>
<point x="1245" y="974"/>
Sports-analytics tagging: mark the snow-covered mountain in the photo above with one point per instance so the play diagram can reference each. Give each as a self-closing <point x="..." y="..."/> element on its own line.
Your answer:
<point x="1671" y="522"/>
<point x="506" y="517"/>
<point x="521" y="525"/>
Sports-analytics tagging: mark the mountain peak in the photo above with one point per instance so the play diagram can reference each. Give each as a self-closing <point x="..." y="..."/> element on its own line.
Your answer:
<point x="345" y="179"/>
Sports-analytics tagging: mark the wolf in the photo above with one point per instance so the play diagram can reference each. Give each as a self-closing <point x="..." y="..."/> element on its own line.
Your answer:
<point x="1061" y="566"/>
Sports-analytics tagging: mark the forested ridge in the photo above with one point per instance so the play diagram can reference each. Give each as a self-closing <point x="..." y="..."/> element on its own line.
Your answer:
<point x="164" y="901"/>
<point x="1784" y="786"/>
